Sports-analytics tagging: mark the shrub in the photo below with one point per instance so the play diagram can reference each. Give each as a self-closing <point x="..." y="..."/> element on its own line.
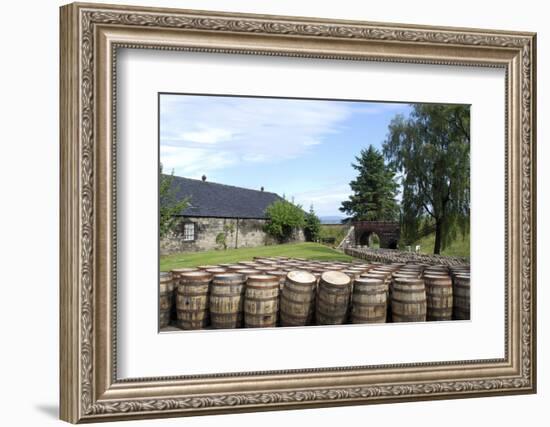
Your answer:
<point x="283" y="218"/>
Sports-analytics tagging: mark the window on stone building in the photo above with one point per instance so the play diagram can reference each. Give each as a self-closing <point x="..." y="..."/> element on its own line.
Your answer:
<point x="188" y="232"/>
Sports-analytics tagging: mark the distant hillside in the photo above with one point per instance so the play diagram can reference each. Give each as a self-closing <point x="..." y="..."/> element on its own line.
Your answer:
<point x="331" y="219"/>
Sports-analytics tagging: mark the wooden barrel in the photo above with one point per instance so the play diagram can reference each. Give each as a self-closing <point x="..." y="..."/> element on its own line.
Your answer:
<point x="265" y="268"/>
<point x="261" y="301"/>
<point x="437" y="269"/>
<point x="386" y="276"/>
<point x="206" y="267"/>
<point x="439" y="296"/>
<point x="369" y="301"/>
<point x="416" y="274"/>
<point x="298" y="299"/>
<point x="248" y="272"/>
<point x="177" y="271"/>
<point x="166" y="298"/>
<point x="176" y="277"/>
<point x="234" y="267"/>
<point x="226" y="300"/>
<point x="461" y="297"/>
<point x="408" y="300"/>
<point x="333" y="298"/>
<point x="217" y="270"/>
<point x="352" y="273"/>
<point x="281" y="275"/>
<point x="192" y="299"/>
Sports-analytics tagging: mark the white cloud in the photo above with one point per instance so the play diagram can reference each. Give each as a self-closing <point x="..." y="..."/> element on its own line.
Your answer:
<point x="326" y="200"/>
<point x="209" y="133"/>
<point x="207" y="136"/>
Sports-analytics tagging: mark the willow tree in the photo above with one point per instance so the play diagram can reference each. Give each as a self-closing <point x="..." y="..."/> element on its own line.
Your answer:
<point x="431" y="150"/>
<point x="374" y="189"/>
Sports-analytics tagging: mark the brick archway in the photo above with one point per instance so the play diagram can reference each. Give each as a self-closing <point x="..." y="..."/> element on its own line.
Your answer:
<point x="388" y="232"/>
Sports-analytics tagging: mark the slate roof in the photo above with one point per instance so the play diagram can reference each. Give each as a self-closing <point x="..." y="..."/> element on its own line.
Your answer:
<point x="210" y="199"/>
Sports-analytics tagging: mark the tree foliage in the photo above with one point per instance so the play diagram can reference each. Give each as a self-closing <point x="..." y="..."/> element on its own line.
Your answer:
<point x="374" y="189"/>
<point x="221" y="238"/>
<point x="169" y="205"/>
<point x="431" y="149"/>
<point x="283" y="218"/>
<point x="312" y="227"/>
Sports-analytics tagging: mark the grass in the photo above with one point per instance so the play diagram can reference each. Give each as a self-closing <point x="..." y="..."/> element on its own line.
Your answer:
<point x="308" y="250"/>
<point x="459" y="247"/>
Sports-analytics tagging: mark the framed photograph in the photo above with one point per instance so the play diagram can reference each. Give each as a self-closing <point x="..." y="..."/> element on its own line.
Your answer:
<point x="267" y="212"/>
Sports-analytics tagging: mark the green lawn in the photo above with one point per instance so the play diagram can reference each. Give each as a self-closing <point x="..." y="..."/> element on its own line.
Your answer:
<point x="297" y="250"/>
<point x="460" y="247"/>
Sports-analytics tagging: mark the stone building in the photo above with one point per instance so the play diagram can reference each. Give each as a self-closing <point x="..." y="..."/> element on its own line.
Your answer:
<point x="218" y="209"/>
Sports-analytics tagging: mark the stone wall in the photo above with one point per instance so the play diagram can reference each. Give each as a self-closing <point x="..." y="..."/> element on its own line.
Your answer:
<point x="240" y="233"/>
<point x="393" y="255"/>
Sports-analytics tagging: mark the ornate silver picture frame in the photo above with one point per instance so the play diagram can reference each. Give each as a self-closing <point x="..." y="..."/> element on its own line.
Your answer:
<point x="91" y="36"/>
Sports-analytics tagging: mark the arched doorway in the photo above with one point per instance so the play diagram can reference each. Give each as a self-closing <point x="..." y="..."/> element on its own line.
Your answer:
<point x="392" y="244"/>
<point x="387" y="233"/>
<point x="374" y="241"/>
<point x="370" y="239"/>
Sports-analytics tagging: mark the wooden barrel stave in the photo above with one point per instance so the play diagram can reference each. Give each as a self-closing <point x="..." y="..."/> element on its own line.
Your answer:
<point x="408" y="300"/>
<point x="192" y="300"/>
<point x="298" y="299"/>
<point x="261" y="303"/>
<point x="226" y="301"/>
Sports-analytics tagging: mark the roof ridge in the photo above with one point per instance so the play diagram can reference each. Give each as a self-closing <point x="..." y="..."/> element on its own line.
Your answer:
<point x="224" y="185"/>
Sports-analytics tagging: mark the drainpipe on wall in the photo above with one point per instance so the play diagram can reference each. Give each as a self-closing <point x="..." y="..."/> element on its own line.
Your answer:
<point x="237" y="235"/>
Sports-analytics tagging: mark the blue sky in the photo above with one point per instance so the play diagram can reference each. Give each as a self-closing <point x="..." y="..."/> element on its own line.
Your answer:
<point x="299" y="148"/>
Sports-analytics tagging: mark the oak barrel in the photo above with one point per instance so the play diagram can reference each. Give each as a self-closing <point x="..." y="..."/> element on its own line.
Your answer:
<point x="408" y="300"/>
<point x="439" y="296"/>
<point x="461" y="296"/>
<point x="386" y="276"/>
<point x="176" y="277"/>
<point x="192" y="299"/>
<point x="248" y="272"/>
<point x="333" y="297"/>
<point x="166" y="298"/>
<point x="368" y="302"/>
<point x="261" y="301"/>
<point x="298" y="298"/>
<point x="226" y="300"/>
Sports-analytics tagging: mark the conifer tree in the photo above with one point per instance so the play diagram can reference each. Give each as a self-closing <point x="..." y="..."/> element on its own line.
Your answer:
<point x="374" y="189"/>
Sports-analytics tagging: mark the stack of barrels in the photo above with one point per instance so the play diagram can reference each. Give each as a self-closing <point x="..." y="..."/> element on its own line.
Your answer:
<point x="280" y="291"/>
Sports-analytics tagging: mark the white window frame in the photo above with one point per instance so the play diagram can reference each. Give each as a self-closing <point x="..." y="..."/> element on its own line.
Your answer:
<point x="186" y="233"/>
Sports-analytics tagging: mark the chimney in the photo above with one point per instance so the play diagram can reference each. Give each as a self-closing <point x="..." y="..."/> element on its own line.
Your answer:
<point x="262" y="189"/>
<point x="203" y="178"/>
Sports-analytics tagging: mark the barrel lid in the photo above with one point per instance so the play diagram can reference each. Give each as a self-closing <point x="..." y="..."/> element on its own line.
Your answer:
<point x="183" y="270"/>
<point x="248" y="271"/>
<point x="300" y="276"/>
<point x="262" y="278"/>
<point x="217" y="270"/>
<point x="336" y="278"/>
<point x="195" y="275"/>
<point x="408" y="280"/>
<point x="368" y="281"/>
<point x="227" y="276"/>
<point x="375" y="275"/>
<point x="276" y="273"/>
<point x="436" y="277"/>
<point x="384" y="273"/>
